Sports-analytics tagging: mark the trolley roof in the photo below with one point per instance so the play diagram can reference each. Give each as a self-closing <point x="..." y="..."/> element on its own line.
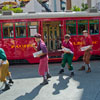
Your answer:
<point x="49" y="15"/>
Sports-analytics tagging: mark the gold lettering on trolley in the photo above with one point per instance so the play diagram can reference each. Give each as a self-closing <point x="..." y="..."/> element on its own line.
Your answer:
<point x="82" y="43"/>
<point x="31" y="45"/>
<point x="17" y="46"/>
<point x="28" y="45"/>
<point x="74" y="43"/>
<point x="22" y="46"/>
<point x="78" y="43"/>
<point x="12" y="46"/>
<point x="94" y="42"/>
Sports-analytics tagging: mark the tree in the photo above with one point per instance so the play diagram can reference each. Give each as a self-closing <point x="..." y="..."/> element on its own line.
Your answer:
<point x="75" y="8"/>
<point x="10" y="7"/>
<point x="84" y="7"/>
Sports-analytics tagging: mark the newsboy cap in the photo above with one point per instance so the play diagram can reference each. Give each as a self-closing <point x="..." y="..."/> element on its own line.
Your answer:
<point x="67" y="36"/>
<point x="85" y="31"/>
<point x="37" y="35"/>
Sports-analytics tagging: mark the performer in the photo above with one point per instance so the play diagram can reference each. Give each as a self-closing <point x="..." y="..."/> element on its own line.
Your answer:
<point x="4" y="72"/>
<point x="68" y="56"/>
<point x="87" y="52"/>
<point x="43" y="65"/>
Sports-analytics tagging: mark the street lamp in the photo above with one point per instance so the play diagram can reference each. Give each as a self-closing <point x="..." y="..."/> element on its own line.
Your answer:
<point x="63" y="5"/>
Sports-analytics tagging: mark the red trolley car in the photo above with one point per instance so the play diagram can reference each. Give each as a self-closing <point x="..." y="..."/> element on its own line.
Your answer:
<point x="17" y="31"/>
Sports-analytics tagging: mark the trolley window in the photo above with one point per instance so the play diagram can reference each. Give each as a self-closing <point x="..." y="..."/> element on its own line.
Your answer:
<point x="20" y="29"/>
<point x="71" y="27"/>
<point x="8" y="30"/>
<point x="82" y="25"/>
<point x="32" y="28"/>
<point x="94" y="26"/>
<point x="0" y="30"/>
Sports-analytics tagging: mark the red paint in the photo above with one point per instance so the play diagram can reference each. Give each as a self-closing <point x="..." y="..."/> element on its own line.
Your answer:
<point x="21" y="48"/>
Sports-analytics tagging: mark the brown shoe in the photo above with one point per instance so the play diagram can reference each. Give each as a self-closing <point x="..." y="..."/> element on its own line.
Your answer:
<point x="89" y="70"/>
<point x="82" y="68"/>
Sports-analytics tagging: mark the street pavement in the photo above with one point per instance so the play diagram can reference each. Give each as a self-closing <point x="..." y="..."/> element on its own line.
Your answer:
<point x="27" y="86"/>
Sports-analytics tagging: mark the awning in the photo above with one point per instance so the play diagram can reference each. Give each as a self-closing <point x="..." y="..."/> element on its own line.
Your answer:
<point x="9" y="3"/>
<point x="25" y="0"/>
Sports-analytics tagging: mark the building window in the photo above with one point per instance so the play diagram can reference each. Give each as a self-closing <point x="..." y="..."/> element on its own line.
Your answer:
<point x="20" y="29"/>
<point x="32" y="28"/>
<point x="71" y="27"/>
<point x="94" y="26"/>
<point x="82" y="25"/>
<point x="8" y="30"/>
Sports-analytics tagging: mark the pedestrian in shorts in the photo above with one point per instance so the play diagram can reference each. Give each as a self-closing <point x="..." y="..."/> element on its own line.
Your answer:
<point x="87" y="52"/>
<point x="4" y="70"/>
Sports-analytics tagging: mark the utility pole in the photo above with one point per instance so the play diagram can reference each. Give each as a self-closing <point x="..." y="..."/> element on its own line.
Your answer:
<point x="89" y="3"/>
<point x="68" y="4"/>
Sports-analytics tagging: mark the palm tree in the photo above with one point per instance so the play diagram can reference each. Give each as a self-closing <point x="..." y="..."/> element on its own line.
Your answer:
<point x="68" y="4"/>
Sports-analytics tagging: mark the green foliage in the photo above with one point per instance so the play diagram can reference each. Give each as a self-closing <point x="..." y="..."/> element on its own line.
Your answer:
<point x="84" y="7"/>
<point x="76" y="8"/>
<point x="18" y="10"/>
<point x="10" y="7"/>
<point x="5" y="8"/>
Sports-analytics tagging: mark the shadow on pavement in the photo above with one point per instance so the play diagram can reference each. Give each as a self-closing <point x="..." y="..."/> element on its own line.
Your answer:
<point x="89" y="83"/>
<point x="61" y="85"/>
<point x="86" y="86"/>
<point x="31" y="95"/>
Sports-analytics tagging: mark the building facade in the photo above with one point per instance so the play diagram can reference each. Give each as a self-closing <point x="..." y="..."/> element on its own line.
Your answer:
<point x="79" y="2"/>
<point x="55" y="5"/>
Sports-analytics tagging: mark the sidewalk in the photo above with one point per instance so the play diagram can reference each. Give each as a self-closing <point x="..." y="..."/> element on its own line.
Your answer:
<point x="26" y="86"/>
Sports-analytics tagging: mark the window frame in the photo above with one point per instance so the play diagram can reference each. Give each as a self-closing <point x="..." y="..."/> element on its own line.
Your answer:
<point x="32" y="28"/>
<point x="20" y="26"/>
<point x="7" y="28"/>
<point x="73" y="25"/>
<point x="82" y="24"/>
<point x="94" y="24"/>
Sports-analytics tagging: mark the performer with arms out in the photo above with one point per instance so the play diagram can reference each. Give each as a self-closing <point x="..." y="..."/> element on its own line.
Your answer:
<point x="68" y="55"/>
